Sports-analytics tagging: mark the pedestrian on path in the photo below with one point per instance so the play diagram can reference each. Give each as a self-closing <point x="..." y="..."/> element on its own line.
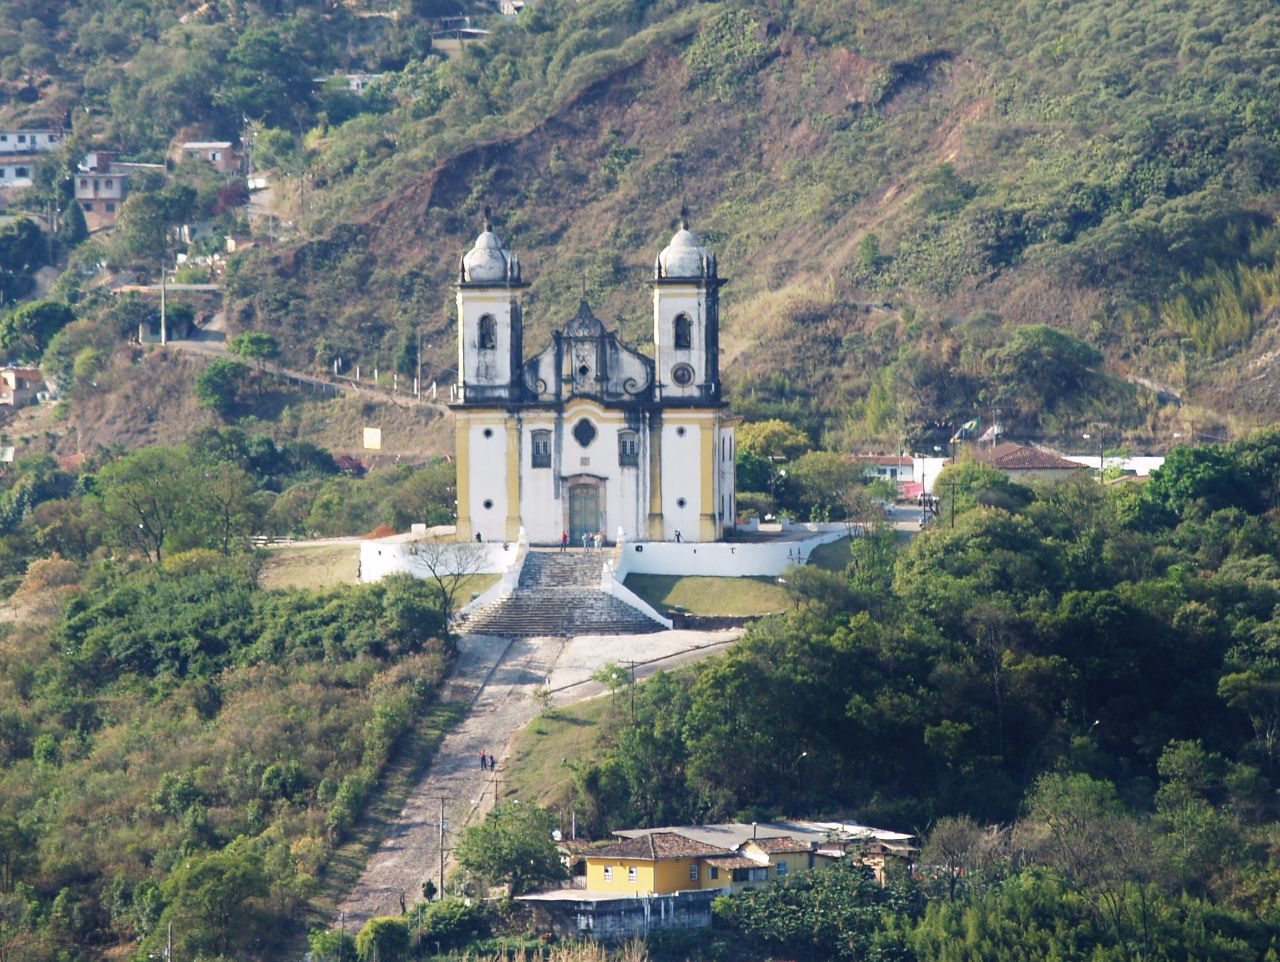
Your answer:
<point x="484" y="759"/>
<point x="564" y="540"/>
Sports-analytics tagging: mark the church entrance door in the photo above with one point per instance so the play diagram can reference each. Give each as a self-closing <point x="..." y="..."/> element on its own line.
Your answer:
<point x="584" y="511"/>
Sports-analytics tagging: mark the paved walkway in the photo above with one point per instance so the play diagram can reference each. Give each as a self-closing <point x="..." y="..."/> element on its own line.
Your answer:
<point x="497" y="676"/>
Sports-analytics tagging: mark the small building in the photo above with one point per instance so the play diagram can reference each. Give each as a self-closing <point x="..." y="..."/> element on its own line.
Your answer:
<point x="1021" y="462"/>
<point x="29" y="141"/>
<point x="17" y="170"/>
<point x="510" y="8"/>
<point x="220" y="153"/>
<point x="101" y="187"/>
<point x="20" y="385"/>
<point x="895" y="468"/>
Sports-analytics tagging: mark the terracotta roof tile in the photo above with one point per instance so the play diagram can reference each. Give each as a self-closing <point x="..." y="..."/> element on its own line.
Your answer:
<point x="657" y="845"/>
<point x="1018" y="457"/>
<point x="777" y="846"/>
<point x="733" y="861"/>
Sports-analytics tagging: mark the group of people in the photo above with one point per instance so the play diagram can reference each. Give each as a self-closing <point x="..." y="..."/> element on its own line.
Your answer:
<point x="591" y="540"/>
<point x="488" y="763"/>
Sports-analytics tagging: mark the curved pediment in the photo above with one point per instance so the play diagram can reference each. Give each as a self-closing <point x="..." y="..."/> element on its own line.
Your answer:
<point x="585" y="359"/>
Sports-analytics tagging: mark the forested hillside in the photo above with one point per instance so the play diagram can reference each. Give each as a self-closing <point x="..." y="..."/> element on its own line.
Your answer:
<point x="975" y="167"/>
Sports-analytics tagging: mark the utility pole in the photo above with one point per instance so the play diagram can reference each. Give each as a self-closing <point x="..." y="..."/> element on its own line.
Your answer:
<point x="633" y="690"/>
<point x="168" y="945"/>
<point x="442" y="799"/>
<point x="163" y="331"/>
<point x="417" y="381"/>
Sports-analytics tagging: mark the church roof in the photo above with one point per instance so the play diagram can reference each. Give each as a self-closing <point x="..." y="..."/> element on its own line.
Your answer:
<point x="488" y="262"/>
<point x="1018" y="457"/>
<point x="684" y="256"/>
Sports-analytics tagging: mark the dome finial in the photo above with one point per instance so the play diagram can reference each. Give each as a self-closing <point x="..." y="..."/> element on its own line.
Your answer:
<point x="488" y="220"/>
<point x="684" y="214"/>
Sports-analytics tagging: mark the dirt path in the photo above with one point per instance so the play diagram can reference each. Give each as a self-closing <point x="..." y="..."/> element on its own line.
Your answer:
<point x="497" y="676"/>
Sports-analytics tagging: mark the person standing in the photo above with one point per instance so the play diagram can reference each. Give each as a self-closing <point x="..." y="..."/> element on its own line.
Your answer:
<point x="484" y="759"/>
<point x="564" y="540"/>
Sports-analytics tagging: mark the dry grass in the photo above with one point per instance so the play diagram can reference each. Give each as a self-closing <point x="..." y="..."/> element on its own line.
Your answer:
<point x="714" y="597"/>
<point x="540" y="767"/>
<point x="310" y="567"/>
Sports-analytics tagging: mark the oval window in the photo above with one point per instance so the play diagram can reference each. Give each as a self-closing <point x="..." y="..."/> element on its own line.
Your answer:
<point x="682" y="374"/>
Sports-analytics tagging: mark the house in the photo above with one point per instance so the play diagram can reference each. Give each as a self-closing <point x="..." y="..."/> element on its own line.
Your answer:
<point x="220" y="153"/>
<point x="895" y="468"/>
<point x="19" y="385"/>
<point x="101" y="188"/>
<point x="29" y="141"/>
<point x="665" y="877"/>
<point x="510" y="8"/>
<point x="1021" y="462"/>
<point x="16" y="170"/>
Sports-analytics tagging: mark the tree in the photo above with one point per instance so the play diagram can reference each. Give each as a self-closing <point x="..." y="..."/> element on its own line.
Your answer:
<point x="448" y="565"/>
<point x="383" y="938"/>
<point x="513" y="845"/>
<point x="1041" y="365"/>
<point x="821" y="485"/>
<point x="210" y="898"/>
<point x="142" y="229"/>
<point x="331" y="945"/>
<point x="73" y="229"/>
<point x="144" y="496"/>
<point x="772" y="439"/>
<point x="256" y="345"/>
<point x="952" y="847"/>
<point x="218" y="386"/>
<point x="29" y="328"/>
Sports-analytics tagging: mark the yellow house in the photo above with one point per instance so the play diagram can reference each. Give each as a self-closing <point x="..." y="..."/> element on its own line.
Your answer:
<point x="654" y="864"/>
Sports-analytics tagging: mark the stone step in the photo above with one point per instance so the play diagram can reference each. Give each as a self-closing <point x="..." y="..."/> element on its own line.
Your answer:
<point x="557" y="569"/>
<point x="531" y="612"/>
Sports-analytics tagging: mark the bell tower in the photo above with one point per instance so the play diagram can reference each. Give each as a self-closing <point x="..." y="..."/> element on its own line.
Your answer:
<point x="686" y="319"/>
<point x="490" y="335"/>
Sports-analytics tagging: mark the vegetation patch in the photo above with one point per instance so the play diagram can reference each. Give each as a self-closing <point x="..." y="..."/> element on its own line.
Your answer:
<point x="714" y="597"/>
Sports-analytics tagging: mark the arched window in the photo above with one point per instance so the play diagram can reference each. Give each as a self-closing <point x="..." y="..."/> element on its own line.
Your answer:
<point x="684" y="332"/>
<point x="488" y="333"/>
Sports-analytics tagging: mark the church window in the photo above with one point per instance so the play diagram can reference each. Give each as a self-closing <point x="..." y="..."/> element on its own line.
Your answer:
<point x="488" y="504"/>
<point x="681" y="503"/>
<point x="488" y="432"/>
<point x="488" y="339"/>
<point x="542" y="449"/>
<point x="584" y="432"/>
<point x="682" y="374"/>
<point x="684" y="332"/>
<point x="628" y="448"/>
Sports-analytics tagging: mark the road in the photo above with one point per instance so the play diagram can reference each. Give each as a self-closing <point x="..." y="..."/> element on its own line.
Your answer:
<point x="498" y="676"/>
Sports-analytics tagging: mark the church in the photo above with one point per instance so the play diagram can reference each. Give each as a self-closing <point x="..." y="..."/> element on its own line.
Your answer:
<point x="590" y="435"/>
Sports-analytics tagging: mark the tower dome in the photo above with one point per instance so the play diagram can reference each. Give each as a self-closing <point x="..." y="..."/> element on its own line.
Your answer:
<point x="684" y="256"/>
<point x="488" y="262"/>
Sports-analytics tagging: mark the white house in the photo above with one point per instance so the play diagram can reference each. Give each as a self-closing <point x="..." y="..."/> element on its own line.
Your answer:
<point x="29" y="141"/>
<point x="590" y="435"/>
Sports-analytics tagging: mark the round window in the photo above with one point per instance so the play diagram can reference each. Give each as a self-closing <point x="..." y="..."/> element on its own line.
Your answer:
<point x="681" y="502"/>
<point x="679" y="432"/>
<point x="583" y="371"/>
<point x="682" y="374"/>
<point x="488" y="504"/>
<point x="584" y="432"/>
<point x="488" y="432"/>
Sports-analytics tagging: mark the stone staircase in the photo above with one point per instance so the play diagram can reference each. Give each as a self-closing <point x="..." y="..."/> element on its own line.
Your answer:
<point x="559" y="594"/>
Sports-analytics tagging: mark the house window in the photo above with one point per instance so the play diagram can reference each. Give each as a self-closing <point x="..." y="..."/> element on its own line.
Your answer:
<point x="751" y="874"/>
<point x="782" y="869"/>
<point x="110" y="183"/>
<point x="84" y="182"/>
<point x="21" y="172"/>
<point x="693" y="872"/>
<point x="88" y="207"/>
<point x="542" y="449"/>
<point x="684" y="332"/>
<point x="22" y="138"/>
<point x="4" y="138"/>
<point x="628" y="448"/>
<point x="213" y="155"/>
<point x="608" y="873"/>
<point x="111" y="208"/>
<point x="97" y="185"/>
<point x="488" y="333"/>
<point x="632" y="874"/>
<point x="715" y="873"/>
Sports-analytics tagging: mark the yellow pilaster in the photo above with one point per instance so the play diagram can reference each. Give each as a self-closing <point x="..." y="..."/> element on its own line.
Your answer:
<point x="513" y="478"/>
<point x="462" y="462"/>
<point x="707" y="518"/>
<point x="655" y="480"/>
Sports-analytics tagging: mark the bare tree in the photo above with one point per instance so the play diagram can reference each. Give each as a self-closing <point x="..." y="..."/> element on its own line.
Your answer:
<point x="448" y="565"/>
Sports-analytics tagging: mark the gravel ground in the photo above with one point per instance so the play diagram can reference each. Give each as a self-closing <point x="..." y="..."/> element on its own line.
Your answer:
<point x="497" y="676"/>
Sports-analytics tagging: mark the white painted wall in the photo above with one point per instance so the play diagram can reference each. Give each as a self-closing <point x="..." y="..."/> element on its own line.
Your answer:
<point x="681" y="477"/>
<point x="668" y="301"/>
<point x="721" y="560"/>
<point x="487" y="368"/>
<point x="398" y="555"/>
<point x="487" y="460"/>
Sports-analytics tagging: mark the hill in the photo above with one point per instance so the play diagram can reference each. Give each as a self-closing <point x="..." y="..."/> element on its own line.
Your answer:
<point x="893" y="188"/>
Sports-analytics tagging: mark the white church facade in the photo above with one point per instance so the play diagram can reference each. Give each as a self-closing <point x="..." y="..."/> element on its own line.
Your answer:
<point x="589" y="435"/>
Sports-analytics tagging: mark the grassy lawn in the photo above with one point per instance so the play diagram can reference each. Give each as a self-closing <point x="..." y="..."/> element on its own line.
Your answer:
<point x="833" y="556"/>
<point x="715" y="597"/>
<point x="539" y="767"/>
<point x="312" y="568"/>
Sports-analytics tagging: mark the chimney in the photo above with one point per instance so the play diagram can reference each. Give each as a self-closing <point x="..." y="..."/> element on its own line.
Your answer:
<point x="753" y="829"/>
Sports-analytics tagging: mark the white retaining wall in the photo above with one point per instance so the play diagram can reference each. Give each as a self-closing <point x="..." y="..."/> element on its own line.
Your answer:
<point x="723" y="560"/>
<point x="401" y="555"/>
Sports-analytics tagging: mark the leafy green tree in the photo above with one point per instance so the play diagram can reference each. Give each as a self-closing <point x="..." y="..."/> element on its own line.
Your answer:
<point x="513" y="845"/>
<point x="1040" y="365"/>
<point x="29" y="328"/>
<point x="142" y="229"/>
<point x="772" y="439"/>
<point x="144" y="498"/>
<point x="383" y="939"/>
<point x="256" y="345"/>
<point x="73" y="229"/>
<point x="331" y="945"/>
<point x="218" y="387"/>
<point x="213" y="900"/>
<point x="822" y="486"/>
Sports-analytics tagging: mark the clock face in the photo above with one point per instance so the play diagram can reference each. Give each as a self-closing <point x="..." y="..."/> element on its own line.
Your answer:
<point x="682" y="374"/>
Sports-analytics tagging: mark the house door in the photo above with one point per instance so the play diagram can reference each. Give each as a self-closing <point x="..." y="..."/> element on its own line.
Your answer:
<point x="584" y="511"/>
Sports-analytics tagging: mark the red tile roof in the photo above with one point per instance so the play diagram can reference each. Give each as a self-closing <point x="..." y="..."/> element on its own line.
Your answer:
<point x="657" y="845"/>
<point x="733" y="861"/>
<point x="1009" y="456"/>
